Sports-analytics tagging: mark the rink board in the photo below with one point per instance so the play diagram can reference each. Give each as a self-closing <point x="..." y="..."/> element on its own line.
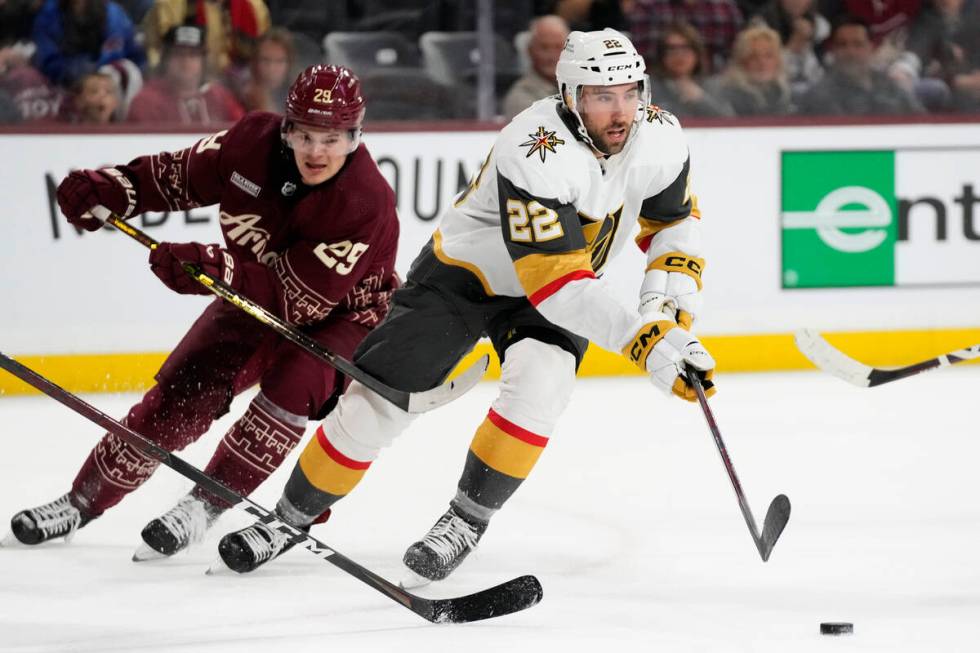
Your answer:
<point x="892" y="267"/>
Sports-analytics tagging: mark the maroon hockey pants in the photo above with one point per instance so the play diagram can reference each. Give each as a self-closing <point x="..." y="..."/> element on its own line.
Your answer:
<point x="224" y="353"/>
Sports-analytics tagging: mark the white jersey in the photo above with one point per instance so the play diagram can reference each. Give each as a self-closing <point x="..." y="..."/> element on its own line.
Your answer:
<point x="544" y="215"/>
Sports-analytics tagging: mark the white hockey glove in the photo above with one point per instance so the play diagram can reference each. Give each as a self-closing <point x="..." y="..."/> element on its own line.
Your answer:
<point x="672" y="284"/>
<point x="664" y="350"/>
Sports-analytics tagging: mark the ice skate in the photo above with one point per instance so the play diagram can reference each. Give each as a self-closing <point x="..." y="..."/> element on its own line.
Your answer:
<point x="250" y="548"/>
<point x="58" y="518"/>
<point x="443" y="548"/>
<point x="175" y="530"/>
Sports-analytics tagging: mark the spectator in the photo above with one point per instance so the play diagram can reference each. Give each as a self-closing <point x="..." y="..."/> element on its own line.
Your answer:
<point x="270" y="72"/>
<point x="718" y="21"/>
<point x="548" y="34"/>
<point x="588" y="15"/>
<point x="851" y="86"/>
<point x="232" y="28"/>
<point x="945" y="41"/>
<point x="783" y="16"/>
<point x="9" y="113"/>
<point x="180" y="93"/>
<point x="17" y="20"/>
<point x="95" y="100"/>
<point x="887" y="20"/>
<point x="676" y="85"/>
<point x="31" y="93"/>
<point x="755" y="82"/>
<point x="800" y="28"/>
<point x="75" y="37"/>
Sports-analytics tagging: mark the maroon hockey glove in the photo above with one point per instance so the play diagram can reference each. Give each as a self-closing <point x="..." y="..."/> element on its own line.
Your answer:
<point x="83" y="189"/>
<point x="166" y="262"/>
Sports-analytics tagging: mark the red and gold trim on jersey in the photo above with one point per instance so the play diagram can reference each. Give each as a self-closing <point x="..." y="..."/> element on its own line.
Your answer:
<point x="542" y="275"/>
<point x="651" y="226"/>
<point x="506" y="447"/>
<point x="327" y="469"/>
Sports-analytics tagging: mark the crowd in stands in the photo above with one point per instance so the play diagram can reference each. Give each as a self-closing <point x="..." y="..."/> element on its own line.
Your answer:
<point x="204" y="62"/>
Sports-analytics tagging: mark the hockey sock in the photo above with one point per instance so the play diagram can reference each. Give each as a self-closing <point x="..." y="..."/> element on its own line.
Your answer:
<point x="501" y="456"/>
<point x="322" y="477"/>
<point x="172" y="419"/>
<point x="253" y="448"/>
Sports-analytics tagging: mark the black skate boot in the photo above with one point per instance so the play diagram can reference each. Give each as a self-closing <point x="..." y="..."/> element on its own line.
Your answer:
<point x="250" y="548"/>
<point x="443" y="548"/>
<point x="59" y="518"/>
<point x="176" y="529"/>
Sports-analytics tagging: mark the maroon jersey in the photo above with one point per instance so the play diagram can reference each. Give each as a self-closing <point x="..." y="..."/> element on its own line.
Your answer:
<point x="307" y="250"/>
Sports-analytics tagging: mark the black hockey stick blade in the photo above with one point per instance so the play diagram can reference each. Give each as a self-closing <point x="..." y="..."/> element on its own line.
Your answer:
<point x="831" y="360"/>
<point x="512" y="596"/>
<point x="411" y="402"/>
<point x="776" y="518"/>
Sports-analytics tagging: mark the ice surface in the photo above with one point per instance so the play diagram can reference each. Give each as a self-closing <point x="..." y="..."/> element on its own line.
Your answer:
<point x="629" y="521"/>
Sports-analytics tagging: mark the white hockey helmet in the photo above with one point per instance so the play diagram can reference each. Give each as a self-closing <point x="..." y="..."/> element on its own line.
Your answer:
<point x="601" y="58"/>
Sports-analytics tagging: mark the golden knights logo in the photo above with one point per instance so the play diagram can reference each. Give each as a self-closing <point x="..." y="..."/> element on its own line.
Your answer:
<point x="599" y="235"/>
<point x="541" y="142"/>
<point x="660" y="115"/>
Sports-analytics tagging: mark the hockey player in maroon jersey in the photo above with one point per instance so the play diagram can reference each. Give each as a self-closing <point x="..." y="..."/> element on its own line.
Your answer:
<point x="310" y="233"/>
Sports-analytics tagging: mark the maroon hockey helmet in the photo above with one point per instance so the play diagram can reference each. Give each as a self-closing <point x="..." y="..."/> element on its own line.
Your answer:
<point x="328" y="97"/>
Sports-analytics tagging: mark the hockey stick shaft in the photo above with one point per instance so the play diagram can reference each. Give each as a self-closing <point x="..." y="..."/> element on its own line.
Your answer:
<point x="512" y="596"/>
<point x="778" y="514"/>
<point x="725" y="459"/>
<point x="412" y="402"/>
<point x="833" y="361"/>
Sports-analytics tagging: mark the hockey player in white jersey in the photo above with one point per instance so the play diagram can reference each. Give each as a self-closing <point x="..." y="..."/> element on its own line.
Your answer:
<point x="516" y="258"/>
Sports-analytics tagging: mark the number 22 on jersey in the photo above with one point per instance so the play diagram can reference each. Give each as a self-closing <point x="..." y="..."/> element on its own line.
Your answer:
<point x="532" y="222"/>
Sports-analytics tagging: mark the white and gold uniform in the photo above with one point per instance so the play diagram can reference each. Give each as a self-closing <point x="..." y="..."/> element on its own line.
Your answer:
<point x="544" y="215"/>
<point x="517" y="258"/>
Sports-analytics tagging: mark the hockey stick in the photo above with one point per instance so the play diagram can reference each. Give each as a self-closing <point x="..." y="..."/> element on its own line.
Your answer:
<point x="412" y="402"/>
<point x="831" y="360"/>
<point x="778" y="513"/>
<point x="512" y="596"/>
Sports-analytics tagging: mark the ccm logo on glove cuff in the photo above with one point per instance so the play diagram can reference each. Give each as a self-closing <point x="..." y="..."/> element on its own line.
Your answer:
<point x="679" y="262"/>
<point x="645" y="340"/>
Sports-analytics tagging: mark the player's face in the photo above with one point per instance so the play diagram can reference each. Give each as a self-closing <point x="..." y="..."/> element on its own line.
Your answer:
<point x="319" y="153"/>
<point x="608" y="113"/>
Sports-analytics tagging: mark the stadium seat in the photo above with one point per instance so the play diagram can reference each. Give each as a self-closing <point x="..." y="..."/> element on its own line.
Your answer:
<point x="521" y="41"/>
<point x="307" y="49"/>
<point x="361" y="51"/>
<point x="410" y="94"/>
<point x="453" y="57"/>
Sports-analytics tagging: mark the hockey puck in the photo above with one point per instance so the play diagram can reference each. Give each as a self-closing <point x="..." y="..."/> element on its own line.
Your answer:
<point x="836" y="628"/>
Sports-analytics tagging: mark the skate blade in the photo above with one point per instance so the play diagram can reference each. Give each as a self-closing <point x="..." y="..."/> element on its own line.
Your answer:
<point x="10" y="541"/>
<point x="410" y="580"/>
<point x="144" y="554"/>
<point x="219" y="568"/>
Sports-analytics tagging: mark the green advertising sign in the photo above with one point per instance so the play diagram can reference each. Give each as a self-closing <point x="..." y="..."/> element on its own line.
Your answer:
<point x="838" y="219"/>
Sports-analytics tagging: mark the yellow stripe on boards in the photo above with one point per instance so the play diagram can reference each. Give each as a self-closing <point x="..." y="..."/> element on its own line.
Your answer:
<point x="744" y="353"/>
<point x="87" y="372"/>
